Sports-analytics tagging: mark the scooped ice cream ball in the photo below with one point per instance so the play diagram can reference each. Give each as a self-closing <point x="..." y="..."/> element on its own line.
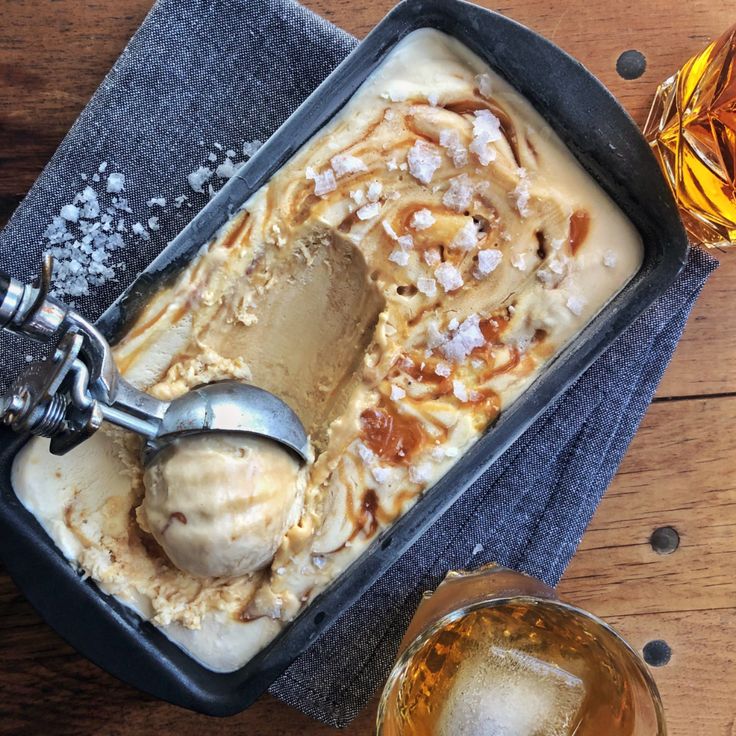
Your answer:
<point x="219" y="504"/>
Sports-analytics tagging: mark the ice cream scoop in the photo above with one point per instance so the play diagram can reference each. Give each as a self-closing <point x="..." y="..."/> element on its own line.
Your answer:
<point x="69" y="395"/>
<point x="219" y="504"/>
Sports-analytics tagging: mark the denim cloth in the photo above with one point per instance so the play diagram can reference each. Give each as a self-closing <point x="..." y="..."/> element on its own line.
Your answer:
<point x="232" y="70"/>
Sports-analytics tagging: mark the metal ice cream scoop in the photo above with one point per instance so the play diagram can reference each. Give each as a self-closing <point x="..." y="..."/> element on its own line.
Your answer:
<point x="67" y="396"/>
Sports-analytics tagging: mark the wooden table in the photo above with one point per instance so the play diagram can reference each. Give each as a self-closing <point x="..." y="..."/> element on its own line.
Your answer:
<point x="679" y="472"/>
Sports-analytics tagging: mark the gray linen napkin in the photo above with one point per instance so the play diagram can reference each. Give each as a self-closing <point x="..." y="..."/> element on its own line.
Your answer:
<point x="206" y="73"/>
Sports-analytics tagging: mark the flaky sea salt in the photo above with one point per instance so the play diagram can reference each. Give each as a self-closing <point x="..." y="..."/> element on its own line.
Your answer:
<point x="477" y="549"/>
<point x="575" y="304"/>
<point x="421" y="220"/>
<point x="465" y="339"/>
<point x="212" y="157"/>
<point x="432" y="256"/>
<point x="374" y="191"/>
<point x="459" y="390"/>
<point x="380" y="474"/>
<point x="156" y="202"/>
<point x="324" y="182"/>
<point x="486" y="130"/>
<point x="458" y="196"/>
<point x="140" y="231"/>
<point x="198" y="178"/>
<point x="227" y="169"/>
<point x="70" y="213"/>
<point x="421" y="473"/>
<point x="423" y="159"/>
<point x="358" y="196"/>
<point x="369" y="211"/>
<point x="466" y="238"/>
<point x="405" y="242"/>
<point x="392" y="164"/>
<point x="485" y="85"/>
<point x="450" y="140"/>
<point x="443" y="369"/>
<point x="250" y="147"/>
<point x="389" y="230"/>
<point x="344" y="164"/>
<point x="153" y="224"/>
<point x="397" y="393"/>
<point x="448" y="276"/>
<point x="427" y="286"/>
<point x="488" y="260"/>
<point x="366" y="454"/>
<point x="115" y="183"/>
<point x="399" y="257"/>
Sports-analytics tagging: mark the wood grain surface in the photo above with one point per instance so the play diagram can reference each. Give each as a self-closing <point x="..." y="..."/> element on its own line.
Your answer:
<point x="680" y="470"/>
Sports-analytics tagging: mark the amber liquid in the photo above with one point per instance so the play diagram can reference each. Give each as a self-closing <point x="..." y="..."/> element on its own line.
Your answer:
<point x="521" y="668"/>
<point x="692" y="130"/>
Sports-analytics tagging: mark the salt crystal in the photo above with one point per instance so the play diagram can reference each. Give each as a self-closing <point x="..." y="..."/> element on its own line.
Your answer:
<point x="477" y="549"/>
<point x="488" y="260"/>
<point x="369" y="211"/>
<point x="212" y="157"/>
<point x="467" y="337"/>
<point x="421" y="220"/>
<point x="522" y="194"/>
<point x="179" y="201"/>
<point x="435" y="338"/>
<point x="115" y="183"/>
<point x="324" y="182"/>
<point x="392" y="165"/>
<point x="432" y="256"/>
<point x="459" y="390"/>
<point x="95" y="177"/>
<point x="156" y="201"/>
<point x="70" y="213"/>
<point x="518" y="260"/>
<point x="230" y="153"/>
<point x="399" y="257"/>
<point x="344" y="164"/>
<point x="319" y="562"/>
<point x="250" y="147"/>
<point x="218" y="146"/>
<point x="575" y="304"/>
<point x="397" y="393"/>
<point x="227" y="169"/>
<point x="610" y="259"/>
<point x="405" y="242"/>
<point x="485" y="86"/>
<point x="380" y="474"/>
<point x="433" y="98"/>
<point x="448" y="277"/>
<point x="29" y="358"/>
<point x="101" y="168"/>
<point x="358" y="196"/>
<point x="453" y="324"/>
<point x="366" y="454"/>
<point x="459" y="194"/>
<point x="389" y="230"/>
<point x="450" y="139"/>
<point x="421" y="473"/>
<point x="374" y="191"/>
<point x="389" y="114"/>
<point x="486" y="130"/>
<point x="197" y="179"/>
<point x="153" y="223"/>
<point x="466" y="238"/>
<point x="140" y="231"/>
<point x="84" y="177"/>
<point x="427" y="286"/>
<point x="280" y="570"/>
<point x="423" y="160"/>
<point x="443" y="369"/>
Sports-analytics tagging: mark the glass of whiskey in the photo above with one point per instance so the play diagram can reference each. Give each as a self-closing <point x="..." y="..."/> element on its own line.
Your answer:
<point x="496" y="653"/>
<point x="692" y="130"/>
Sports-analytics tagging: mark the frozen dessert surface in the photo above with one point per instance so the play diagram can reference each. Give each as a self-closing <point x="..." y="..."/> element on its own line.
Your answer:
<point x="219" y="504"/>
<point x="399" y="282"/>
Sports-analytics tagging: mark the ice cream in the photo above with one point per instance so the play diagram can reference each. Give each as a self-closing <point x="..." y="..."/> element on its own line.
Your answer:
<point x="401" y="280"/>
<point x="220" y="504"/>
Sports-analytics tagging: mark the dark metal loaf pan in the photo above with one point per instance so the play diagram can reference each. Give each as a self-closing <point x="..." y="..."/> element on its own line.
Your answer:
<point x="606" y="142"/>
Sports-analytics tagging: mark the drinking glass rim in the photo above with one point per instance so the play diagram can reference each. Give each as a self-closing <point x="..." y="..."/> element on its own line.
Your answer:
<point x="421" y="638"/>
